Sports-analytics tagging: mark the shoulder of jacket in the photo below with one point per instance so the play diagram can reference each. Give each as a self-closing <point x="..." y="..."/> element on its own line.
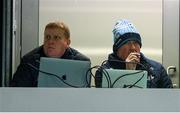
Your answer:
<point x="153" y="64"/>
<point x="77" y="55"/>
<point x="33" y="54"/>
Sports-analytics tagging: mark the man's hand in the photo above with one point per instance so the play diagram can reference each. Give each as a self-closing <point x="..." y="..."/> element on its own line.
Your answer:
<point x="133" y="57"/>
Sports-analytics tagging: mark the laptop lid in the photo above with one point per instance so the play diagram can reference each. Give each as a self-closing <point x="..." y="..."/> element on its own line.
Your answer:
<point x="55" y="72"/>
<point x="124" y="78"/>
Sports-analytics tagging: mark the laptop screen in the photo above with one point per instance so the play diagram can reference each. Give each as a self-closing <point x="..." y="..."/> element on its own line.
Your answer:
<point x="55" y="72"/>
<point x="116" y="78"/>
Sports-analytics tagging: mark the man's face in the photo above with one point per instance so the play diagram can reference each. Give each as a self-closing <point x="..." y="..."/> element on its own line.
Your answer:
<point x="55" y="43"/>
<point x="126" y="49"/>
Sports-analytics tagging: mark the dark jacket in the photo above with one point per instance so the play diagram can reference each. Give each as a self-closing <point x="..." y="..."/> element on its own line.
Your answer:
<point x="26" y="76"/>
<point x="159" y="77"/>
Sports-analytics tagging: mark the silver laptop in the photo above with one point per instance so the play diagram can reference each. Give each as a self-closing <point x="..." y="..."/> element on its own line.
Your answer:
<point x="55" y="72"/>
<point x="124" y="78"/>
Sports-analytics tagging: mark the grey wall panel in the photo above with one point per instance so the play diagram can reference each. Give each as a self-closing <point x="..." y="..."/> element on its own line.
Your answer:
<point x="89" y="100"/>
<point x="16" y="34"/>
<point x="1" y="103"/>
<point x="6" y="42"/>
<point x="25" y="29"/>
<point x="171" y="36"/>
<point x="1" y="26"/>
<point x="30" y="25"/>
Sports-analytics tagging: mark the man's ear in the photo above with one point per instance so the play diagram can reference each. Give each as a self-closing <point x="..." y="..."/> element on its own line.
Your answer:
<point x="68" y="41"/>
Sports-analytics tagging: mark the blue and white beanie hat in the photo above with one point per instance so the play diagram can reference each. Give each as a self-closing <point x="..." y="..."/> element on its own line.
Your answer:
<point x="123" y="32"/>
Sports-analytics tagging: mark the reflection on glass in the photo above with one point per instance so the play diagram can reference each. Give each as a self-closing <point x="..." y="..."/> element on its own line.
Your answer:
<point x="91" y="22"/>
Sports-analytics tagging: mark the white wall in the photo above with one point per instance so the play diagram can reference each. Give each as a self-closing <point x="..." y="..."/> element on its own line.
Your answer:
<point x="91" y="23"/>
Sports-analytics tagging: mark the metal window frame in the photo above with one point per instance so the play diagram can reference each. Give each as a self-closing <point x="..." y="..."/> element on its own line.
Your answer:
<point x="20" y="32"/>
<point x="6" y="42"/>
<point x="171" y="37"/>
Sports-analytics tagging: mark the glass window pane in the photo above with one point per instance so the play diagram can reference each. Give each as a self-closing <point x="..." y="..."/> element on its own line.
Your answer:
<point x="91" y="23"/>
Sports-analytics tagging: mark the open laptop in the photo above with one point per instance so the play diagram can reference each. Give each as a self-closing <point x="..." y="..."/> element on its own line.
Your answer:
<point x="125" y="78"/>
<point x="55" y="72"/>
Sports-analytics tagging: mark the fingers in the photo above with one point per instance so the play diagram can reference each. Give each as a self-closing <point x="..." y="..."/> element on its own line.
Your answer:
<point x="135" y="54"/>
<point x="133" y="57"/>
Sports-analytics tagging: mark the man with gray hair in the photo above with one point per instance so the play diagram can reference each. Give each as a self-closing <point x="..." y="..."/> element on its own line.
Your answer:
<point x="126" y="55"/>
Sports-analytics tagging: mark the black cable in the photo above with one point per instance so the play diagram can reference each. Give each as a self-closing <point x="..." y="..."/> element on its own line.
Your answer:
<point x="142" y="65"/>
<point x="124" y="76"/>
<point x="87" y="79"/>
<point x="125" y="86"/>
<point x="104" y="62"/>
<point x="108" y="78"/>
<point x="47" y="73"/>
<point x="147" y="69"/>
<point x="87" y="73"/>
<point x="103" y="72"/>
<point x="136" y="81"/>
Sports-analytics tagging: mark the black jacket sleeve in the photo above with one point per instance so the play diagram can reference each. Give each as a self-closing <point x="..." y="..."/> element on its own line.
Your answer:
<point x="165" y="81"/>
<point x="25" y="76"/>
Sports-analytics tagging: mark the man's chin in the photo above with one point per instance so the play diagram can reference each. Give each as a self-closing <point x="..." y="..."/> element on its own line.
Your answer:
<point x="53" y="55"/>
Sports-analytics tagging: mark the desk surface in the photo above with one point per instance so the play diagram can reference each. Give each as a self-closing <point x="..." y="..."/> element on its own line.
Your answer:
<point x="89" y="99"/>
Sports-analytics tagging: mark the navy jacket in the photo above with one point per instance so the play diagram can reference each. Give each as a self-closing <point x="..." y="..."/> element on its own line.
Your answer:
<point x="26" y="76"/>
<point x="159" y="77"/>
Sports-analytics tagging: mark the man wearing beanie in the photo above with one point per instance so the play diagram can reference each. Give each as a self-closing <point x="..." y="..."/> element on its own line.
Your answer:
<point x="126" y="55"/>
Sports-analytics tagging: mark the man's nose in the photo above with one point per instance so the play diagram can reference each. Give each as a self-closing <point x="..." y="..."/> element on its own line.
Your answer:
<point x="132" y="45"/>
